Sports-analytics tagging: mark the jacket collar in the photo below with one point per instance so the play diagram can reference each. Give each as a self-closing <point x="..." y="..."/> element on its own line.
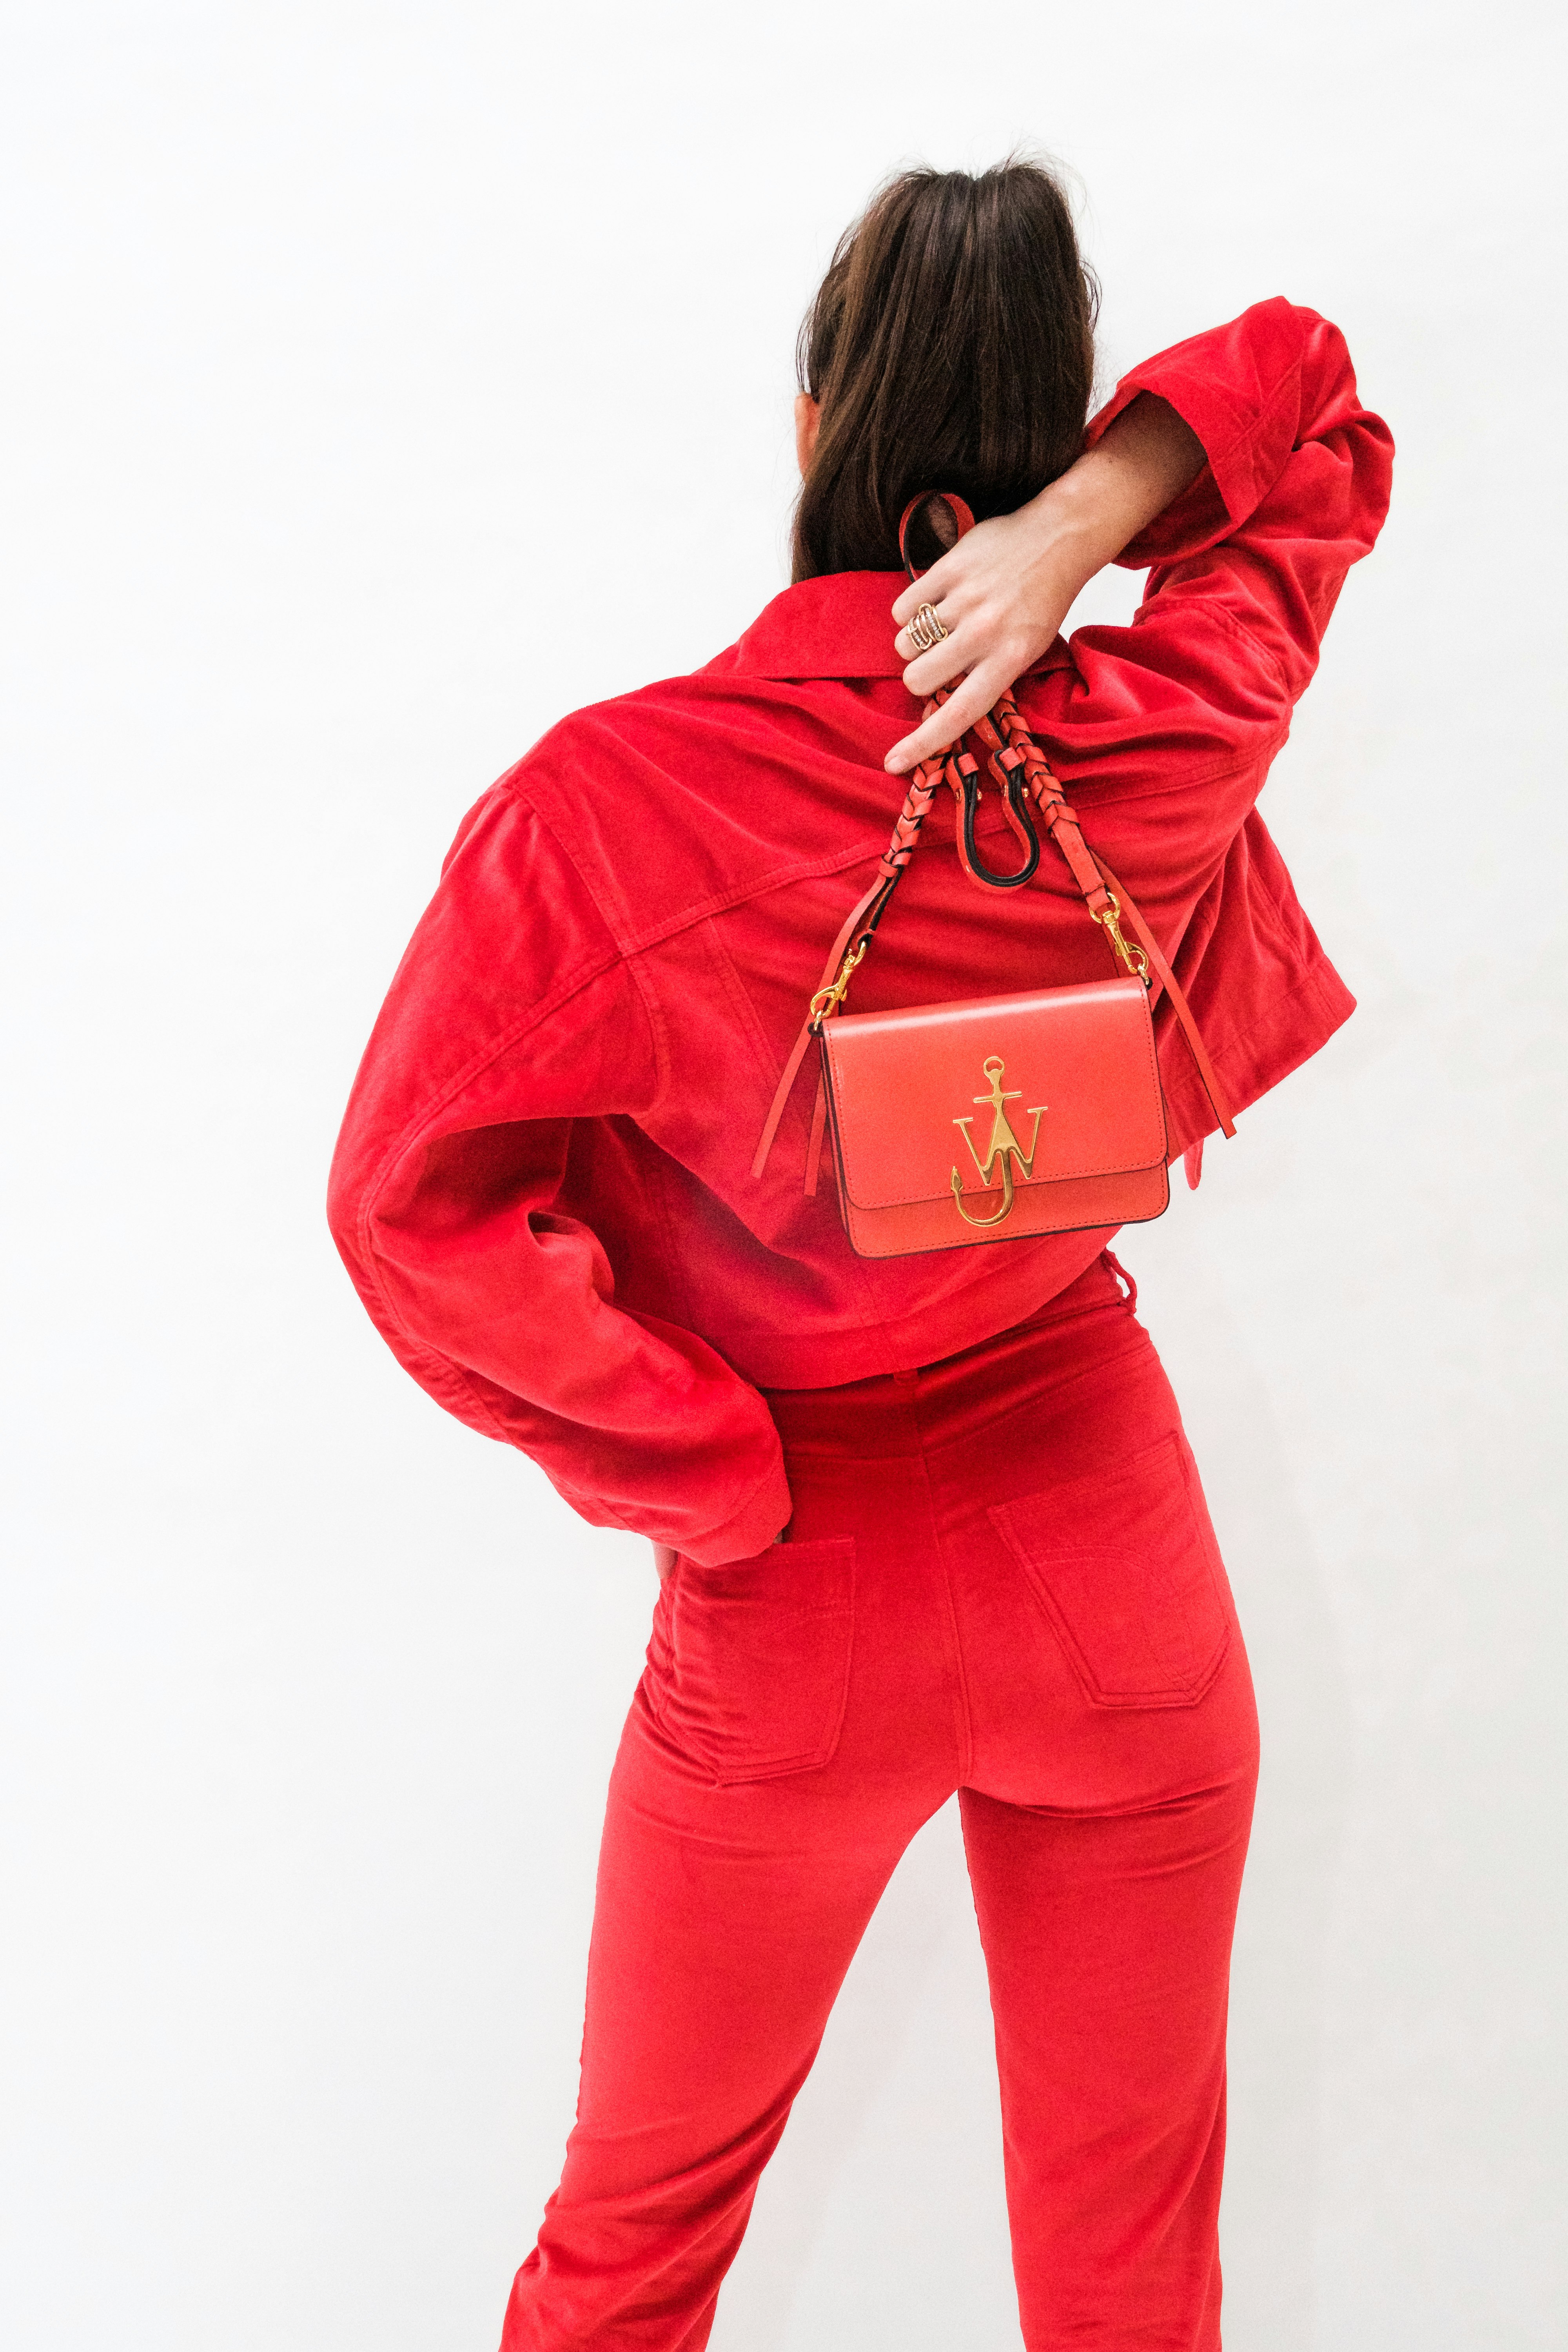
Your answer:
<point x="839" y="626"/>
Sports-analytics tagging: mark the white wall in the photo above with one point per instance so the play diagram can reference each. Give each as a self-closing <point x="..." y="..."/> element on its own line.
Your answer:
<point x="380" y="382"/>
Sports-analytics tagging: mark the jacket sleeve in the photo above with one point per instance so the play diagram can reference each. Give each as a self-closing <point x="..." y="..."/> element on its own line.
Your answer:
<point x="511" y="1015"/>
<point x="1248" y="562"/>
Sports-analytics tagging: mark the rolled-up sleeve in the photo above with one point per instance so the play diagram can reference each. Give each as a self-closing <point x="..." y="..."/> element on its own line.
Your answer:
<point x="1252" y="556"/>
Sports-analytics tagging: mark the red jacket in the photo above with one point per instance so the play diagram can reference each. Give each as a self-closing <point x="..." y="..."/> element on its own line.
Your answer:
<point x="542" y="1187"/>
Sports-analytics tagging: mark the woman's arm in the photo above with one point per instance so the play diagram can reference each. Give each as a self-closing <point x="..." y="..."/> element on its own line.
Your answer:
<point x="1005" y="590"/>
<point x="512" y="1015"/>
<point x="1247" y="558"/>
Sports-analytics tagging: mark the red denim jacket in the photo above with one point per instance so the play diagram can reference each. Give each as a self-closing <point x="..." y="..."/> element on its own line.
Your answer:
<point x="542" y="1187"/>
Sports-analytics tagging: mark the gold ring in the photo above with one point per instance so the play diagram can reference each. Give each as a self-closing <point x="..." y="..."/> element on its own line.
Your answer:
<point x="926" y="629"/>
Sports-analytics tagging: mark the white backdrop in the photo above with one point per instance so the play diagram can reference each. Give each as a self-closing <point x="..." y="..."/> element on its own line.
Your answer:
<point x="382" y="381"/>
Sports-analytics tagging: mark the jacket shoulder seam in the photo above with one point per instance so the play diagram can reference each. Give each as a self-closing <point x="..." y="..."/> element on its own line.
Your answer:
<point x="636" y="942"/>
<point x="632" y="949"/>
<point x="641" y="980"/>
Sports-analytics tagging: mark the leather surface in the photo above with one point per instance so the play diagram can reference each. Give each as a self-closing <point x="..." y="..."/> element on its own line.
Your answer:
<point x="1091" y="1203"/>
<point x="915" y="1095"/>
<point x="901" y="1082"/>
<point x="963" y="517"/>
<point x="1015" y="759"/>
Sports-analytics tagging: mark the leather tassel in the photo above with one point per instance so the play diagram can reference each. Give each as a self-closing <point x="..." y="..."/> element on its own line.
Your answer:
<point x="818" y="1129"/>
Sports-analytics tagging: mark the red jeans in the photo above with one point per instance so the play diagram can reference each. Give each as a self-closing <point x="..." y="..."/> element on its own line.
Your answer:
<point x="1000" y="1579"/>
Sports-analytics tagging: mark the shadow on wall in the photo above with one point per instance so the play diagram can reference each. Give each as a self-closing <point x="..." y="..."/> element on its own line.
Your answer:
<point x="880" y="2224"/>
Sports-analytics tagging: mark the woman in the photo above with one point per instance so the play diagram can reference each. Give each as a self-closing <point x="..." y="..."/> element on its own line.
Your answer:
<point x="927" y="1524"/>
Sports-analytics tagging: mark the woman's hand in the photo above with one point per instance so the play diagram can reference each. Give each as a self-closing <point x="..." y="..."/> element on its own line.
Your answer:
<point x="1003" y="593"/>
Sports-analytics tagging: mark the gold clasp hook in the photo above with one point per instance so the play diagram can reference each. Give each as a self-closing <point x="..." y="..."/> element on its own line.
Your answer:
<point x="1131" y="953"/>
<point x="828" y="1000"/>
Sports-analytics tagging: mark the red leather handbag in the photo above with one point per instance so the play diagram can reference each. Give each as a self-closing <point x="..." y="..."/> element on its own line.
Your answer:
<point x="994" y="1118"/>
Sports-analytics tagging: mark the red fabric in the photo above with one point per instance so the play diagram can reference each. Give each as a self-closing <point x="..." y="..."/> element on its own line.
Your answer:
<point x="1043" y="1623"/>
<point x="542" y="1188"/>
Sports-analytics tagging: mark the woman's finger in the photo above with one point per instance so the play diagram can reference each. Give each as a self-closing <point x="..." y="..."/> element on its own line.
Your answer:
<point x="948" y="573"/>
<point x="938" y="664"/>
<point x="966" y="703"/>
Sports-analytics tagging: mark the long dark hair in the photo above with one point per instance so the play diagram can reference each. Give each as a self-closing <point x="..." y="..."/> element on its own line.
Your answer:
<point x="952" y="346"/>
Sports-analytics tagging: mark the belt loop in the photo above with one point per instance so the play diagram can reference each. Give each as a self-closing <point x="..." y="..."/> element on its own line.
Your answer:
<point x="1122" y="1276"/>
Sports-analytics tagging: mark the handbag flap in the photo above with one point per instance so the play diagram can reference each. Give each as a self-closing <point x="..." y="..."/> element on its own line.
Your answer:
<point x="1060" y="1084"/>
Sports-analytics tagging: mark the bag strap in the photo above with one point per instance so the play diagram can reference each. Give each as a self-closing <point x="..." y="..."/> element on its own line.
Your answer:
<point x="1023" y="775"/>
<point x="848" y="949"/>
<point x="1105" y="897"/>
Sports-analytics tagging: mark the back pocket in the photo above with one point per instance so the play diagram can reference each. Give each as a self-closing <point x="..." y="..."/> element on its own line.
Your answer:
<point x="1125" y="1565"/>
<point x="749" y="1666"/>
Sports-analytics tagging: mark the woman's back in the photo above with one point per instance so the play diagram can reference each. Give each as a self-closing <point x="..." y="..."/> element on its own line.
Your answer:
<point x="543" y="1187"/>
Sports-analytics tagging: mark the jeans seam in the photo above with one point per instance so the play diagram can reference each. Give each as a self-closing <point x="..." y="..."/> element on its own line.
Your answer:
<point x="966" y="1727"/>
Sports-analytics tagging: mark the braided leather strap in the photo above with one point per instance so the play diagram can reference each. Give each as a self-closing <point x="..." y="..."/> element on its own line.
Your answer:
<point x="859" y="930"/>
<point x="1105" y="898"/>
<point x="1023" y="775"/>
<point x="911" y="816"/>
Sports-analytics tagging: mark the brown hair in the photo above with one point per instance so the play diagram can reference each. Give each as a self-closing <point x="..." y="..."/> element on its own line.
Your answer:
<point x="952" y="346"/>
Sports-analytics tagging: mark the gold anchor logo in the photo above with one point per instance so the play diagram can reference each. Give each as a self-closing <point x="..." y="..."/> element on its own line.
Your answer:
<point x="1004" y="1143"/>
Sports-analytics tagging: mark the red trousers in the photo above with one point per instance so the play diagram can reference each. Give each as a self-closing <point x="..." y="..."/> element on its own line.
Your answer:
<point x="1000" y="1579"/>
